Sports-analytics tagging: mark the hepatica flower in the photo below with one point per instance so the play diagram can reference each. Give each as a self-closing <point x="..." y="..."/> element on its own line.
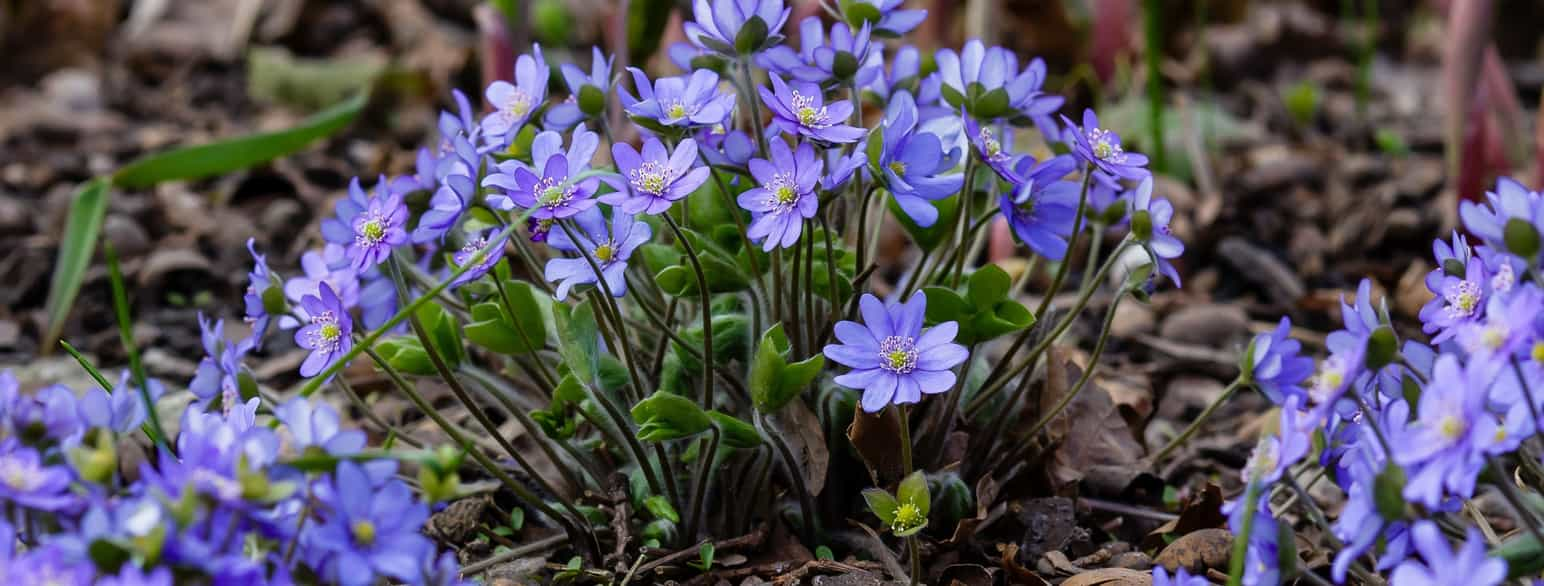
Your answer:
<point x="677" y="102"/>
<point x="784" y="195"/>
<point x="845" y="58"/>
<point x="610" y="247"/>
<point x="26" y="481"/>
<point x="1443" y="449"/>
<point x="736" y="27"/>
<point x="445" y="207"/>
<point x="488" y="240"/>
<point x="799" y="108"/>
<point x="216" y="374"/>
<point x="655" y="179"/>
<point x="328" y="336"/>
<point x="989" y="148"/>
<point x="259" y="281"/>
<point x="587" y="91"/>
<point x="514" y="103"/>
<point x="1278" y="365"/>
<point x="378" y="229"/>
<point x="1041" y="208"/>
<point x="911" y="163"/>
<point x="556" y="192"/>
<point x="372" y="531"/>
<point x="329" y="266"/>
<point x="893" y="359"/>
<point x="1150" y="226"/>
<point x="1510" y="219"/>
<point x="988" y="84"/>
<point x="1441" y="565"/>
<point x="1101" y="148"/>
<point x="893" y="22"/>
<point x="1180" y="577"/>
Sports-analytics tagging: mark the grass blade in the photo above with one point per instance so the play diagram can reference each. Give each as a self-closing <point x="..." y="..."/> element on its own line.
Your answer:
<point x="75" y="249"/>
<point x="126" y="334"/>
<point x="86" y="364"/>
<point x="238" y="153"/>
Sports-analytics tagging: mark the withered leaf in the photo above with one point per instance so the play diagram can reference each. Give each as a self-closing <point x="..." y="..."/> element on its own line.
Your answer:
<point x="1197" y="551"/>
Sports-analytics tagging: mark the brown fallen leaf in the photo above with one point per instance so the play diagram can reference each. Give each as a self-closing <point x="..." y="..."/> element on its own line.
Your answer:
<point x="1202" y="511"/>
<point x="1094" y="440"/>
<point x="801" y="429"/>
<point x="875" y="437"/>
<point x="1197" y="551"/>
<point x="1110" y="577"/>
<point x="1018" y="574"/>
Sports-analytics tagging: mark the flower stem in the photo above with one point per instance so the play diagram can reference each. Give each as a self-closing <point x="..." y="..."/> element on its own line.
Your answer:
<point x="706" y="397"/>
<point x="795" y="475"/>
<point x="911" y="540"/>
<point x="1241" y="542"/>
<point x="1185" y="436"/>
<point x="1072" y="244"/>
<point x="755" y="102"/>
<point x="699" y="494"/>
<point x="967" y="202"/>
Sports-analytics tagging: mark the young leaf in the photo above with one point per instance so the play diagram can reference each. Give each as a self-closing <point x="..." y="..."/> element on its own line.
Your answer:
<point x="737" y="434"/>
<point x="238" y="153"/>
<point x="80" y="236"/>
<point x="882" y="503"/>
<point x="660" y="507"/>
<point x="580" y="343"/>
<point x="913" y="490"/>
<point x="988" y="285"/>
<point x="667" y="416"/>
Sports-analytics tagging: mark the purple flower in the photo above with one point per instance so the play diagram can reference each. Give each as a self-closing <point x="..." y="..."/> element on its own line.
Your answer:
<point x="905" y="75"/>
<point x="1106" y="199"/>
<point x="990" y="150"/>
<point x="48" y="565"/>
<point x="1101" y="148"/>
<point x="717" y="27"/>
<point x="784" y="196"/>
<point x="258" y="282"/>
<point x="47" y="413"/>
<point x="1150" y="226"/>
<point x="381" y="227"/>
<point x="495" y="248"/>
<point x="329" y="266"/>
<point x="844" y="58"/>
<point x="1506" y="329"/>
<point x="799" y="108"/>
<point x="1460" y="300"/>
<point x="842" y="168"/>
<point x="539" y="229"/>
<point x="557" y="192"/>
<point x="339" y="229"/>
<point x="1469" y="564"/>
<point x="586" y="91"/>
<point x="1279" y="366"/>
<point x="1443" y="448"/>
<point x="123" y="410"/>
<point x="723" y="146"/>
<point x="1274" y="454"/>
<point x="317" y="425"/>
<point x="656" y="178"/>
<point x="1180" y="578"/>
<point x="1511" y="204"/>
<point x="26" y="481"/>
<point x="987" y="83"/>
<point x="893" y="22"/>
<point x="328" y="336"/>
<point x="215" y="378"/>
<point x="445" y="207"/>
<point x="514" y="103"/>
<point x="610" y="247"/>
<point x="1042" y="207"/>
<point x="132" y="575"/>
<point x="893" y="359"/>
<point x="911" y="163"/>
<point x="371" y="531"/>
<point x="677" y="102"/>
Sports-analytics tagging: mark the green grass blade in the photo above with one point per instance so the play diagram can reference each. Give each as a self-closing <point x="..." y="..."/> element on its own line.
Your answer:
<point x="86" y="364"/>
<point x="240" y="152"/>
<point x="126" y="334"/>
<point x="75" y="249"/>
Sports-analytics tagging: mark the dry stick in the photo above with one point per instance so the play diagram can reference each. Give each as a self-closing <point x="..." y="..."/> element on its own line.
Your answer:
<point x="459" y="390"/>
<point x="479" y="567"/>
<point x="572" y="529"/>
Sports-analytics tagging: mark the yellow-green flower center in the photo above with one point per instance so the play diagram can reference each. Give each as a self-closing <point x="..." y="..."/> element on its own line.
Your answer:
<point x="372" y="231"/>
<point x="786" y="195"/>
<point x="1105" y="145"/>
<point x="519" y="103"/>
<point x="809" y="115"/>
<point x="1451" y="427"/>
<point x="1538" y="352"/>
<point x="898" y="354"/>
<point x="677" y="110"/>
<point x="898" y="168"/>
<point x="908" y="516"/>
<point x="650" y="178"/>
<point x="364" y="532"/>
<point x="605" y="252"/>
<point x="331" y="332"/>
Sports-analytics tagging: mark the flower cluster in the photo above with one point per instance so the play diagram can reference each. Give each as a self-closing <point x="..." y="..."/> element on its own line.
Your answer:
<point x="1408" y="427"/>
<point x="227" y="501"/>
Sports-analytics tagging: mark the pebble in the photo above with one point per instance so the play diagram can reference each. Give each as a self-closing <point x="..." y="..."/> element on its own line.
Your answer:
<point x="1209" y="324"/>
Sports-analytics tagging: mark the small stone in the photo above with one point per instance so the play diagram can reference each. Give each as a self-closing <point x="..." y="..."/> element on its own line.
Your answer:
<point x="1209" y="324"/>
<point x="10" y="334"/>
<point x="126" y="235"/>
<point x="1132" y="319"/>
<point x="1185" y="394"/>
<point x="13" y="215"/>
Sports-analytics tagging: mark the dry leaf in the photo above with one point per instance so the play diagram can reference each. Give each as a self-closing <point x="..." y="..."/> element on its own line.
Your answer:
<point x="876" y="437"/>
<point x="1110" y="577"/>
<point x="1197" y="551"/>
<point x="801" y="429"/>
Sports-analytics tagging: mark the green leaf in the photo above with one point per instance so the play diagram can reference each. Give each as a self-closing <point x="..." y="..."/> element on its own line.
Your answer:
<point x="660" y="507"/>
<point x="490" y="328"/>
<point x="798" y="375"/>
<point x="736" y="434"/>
<point x="882" y="503"/>
<point x="766" y="372"/>
<point x="1388" y="492"/>
<point x="856" y="13"/>
<point x="238" y="153"/>
<point x="752" y="34"/>
<point x="579" y="340"/>
<point x="987" y="286"/>
<point x="646" y="22"/>
<point x="824" y="553"/>
<point x="126" y="337"/>
<point x="943" y="304"/>
<point x="406" y="354"/>
<point x="704" y="555"/>
<point x="913" y="489"/>
<point x="443" y="333"/>
<point x="75" y="249"/>
<point x="1523" y="553"/>
<point x="667" y="416"/>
